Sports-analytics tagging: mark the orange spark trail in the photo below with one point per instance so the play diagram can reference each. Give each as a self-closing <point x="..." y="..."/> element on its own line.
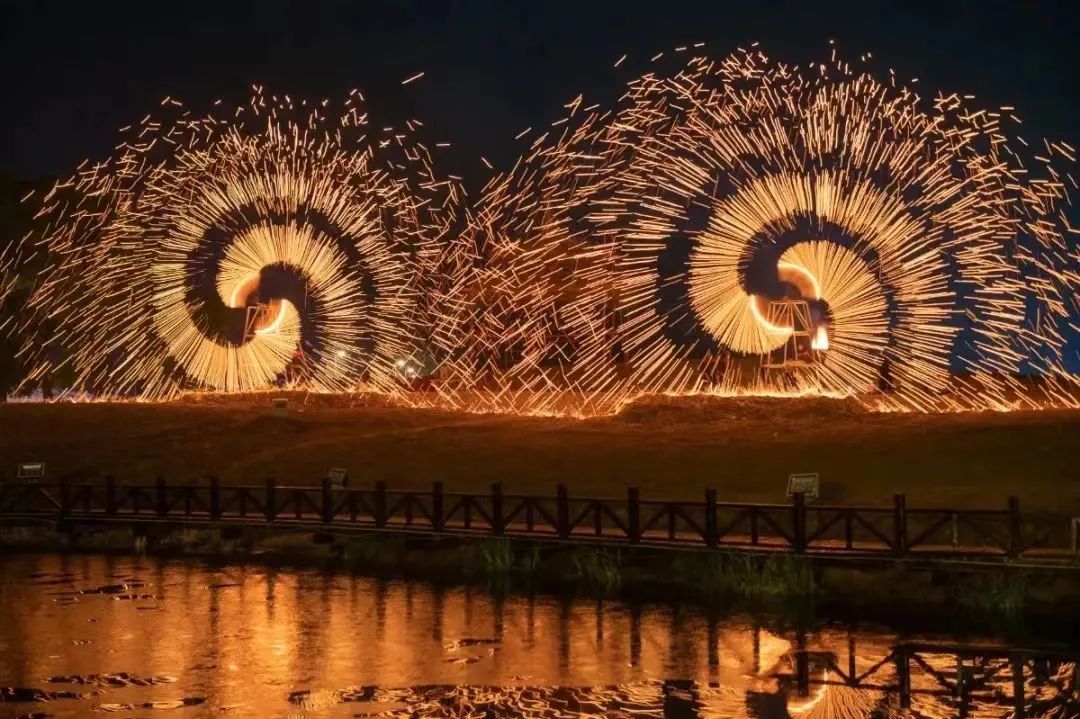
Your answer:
<point x="736" y="226"/>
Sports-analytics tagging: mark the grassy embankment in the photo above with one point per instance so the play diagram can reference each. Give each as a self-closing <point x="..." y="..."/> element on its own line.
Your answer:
<point x="745" y="448"/>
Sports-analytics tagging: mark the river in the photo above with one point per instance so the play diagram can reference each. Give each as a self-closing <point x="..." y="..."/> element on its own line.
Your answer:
<point x="86" y="634"/>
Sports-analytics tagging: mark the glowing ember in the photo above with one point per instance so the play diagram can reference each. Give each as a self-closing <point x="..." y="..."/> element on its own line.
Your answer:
<point x="637" y="250"/>
<point x="821" y="339"/>
<point x="158" y="254"/>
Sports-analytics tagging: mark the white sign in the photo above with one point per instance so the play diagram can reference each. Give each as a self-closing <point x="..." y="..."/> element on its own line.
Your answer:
<point x="806" y="484"/>
<point x="338" y="477"/>
<point x="31" y="470"/>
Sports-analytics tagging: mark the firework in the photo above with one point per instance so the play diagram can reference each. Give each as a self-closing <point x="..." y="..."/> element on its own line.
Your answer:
<point x="832" y="233"/>
<point x="278" y="245"/>
<point x="737" y="226"/>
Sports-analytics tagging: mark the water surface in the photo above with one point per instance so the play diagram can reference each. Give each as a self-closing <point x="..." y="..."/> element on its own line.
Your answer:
<point x="130" y="636"/>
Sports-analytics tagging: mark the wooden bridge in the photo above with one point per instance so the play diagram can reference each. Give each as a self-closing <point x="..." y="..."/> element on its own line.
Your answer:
<point x="894" y="532"/>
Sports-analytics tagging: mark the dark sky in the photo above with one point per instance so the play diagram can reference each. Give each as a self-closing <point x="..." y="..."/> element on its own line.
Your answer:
<point x="75" y="71"/>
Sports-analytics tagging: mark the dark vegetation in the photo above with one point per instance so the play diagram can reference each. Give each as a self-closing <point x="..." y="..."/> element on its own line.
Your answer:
<point x="790" y="586"/>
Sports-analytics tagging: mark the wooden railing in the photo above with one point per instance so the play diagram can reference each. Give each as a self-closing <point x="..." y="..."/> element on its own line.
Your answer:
<point x="797" y="527"/>
<point x="970" y="676"/>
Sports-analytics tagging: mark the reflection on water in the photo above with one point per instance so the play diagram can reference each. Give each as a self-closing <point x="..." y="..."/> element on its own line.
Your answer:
<point x="134" y="636"/>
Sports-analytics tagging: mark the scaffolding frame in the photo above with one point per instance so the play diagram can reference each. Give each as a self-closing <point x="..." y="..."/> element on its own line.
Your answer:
<point x="797" y="350"/>
<point x="255" y="315"/>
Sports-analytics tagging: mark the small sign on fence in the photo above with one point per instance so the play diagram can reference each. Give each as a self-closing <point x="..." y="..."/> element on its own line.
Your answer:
<point x="806" y="484"/>
<point x="279" y="407"/>
<point x="30" y="471"/>
<point x="338" y="476"/>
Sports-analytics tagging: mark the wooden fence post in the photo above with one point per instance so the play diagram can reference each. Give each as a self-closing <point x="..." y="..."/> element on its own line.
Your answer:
<point x="270" y="500"/>
<point x="437" y="506"/>
<point x="162" y="497"/>
<point x="798" y="522"/>
<point x="327" y="501"/>
<point x="562" y="507"/>
<point x="1015" y="540"/>
<point x="497" y="525"/>
<point x="900" y="524"/>
<point x="903" y="675"/>
<point x="633" y="514"/>
<point x="215" y="499"/>
<point x="110" y="495"/>
<point x="380" y="504"/>
<point x="802" y="667"/>
<point x="65" y="497"/>
<point x="710" y="518"/>
<point x="1016" y="663"/>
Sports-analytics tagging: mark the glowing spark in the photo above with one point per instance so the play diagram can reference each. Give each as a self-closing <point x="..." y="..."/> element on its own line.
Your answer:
<point x="641" y="249"/>
<point x="894" y="223"/>
<point x="160" y="253"/>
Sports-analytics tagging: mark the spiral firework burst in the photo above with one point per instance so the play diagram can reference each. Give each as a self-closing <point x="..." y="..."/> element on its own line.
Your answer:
<point x="833" y="233"/>
<point x="281" y="244"/>
<point x="739" y="226"/>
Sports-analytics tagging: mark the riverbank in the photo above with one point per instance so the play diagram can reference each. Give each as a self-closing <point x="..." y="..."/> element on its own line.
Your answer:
<point x="792" y="586"/>
<point x="671" y="448"/>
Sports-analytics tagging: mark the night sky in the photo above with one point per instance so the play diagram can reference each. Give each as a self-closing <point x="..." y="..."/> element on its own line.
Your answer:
<point x="74" y="72"/>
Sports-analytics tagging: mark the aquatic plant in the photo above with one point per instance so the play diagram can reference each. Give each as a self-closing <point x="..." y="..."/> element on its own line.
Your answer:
<point x="596" y="568"/>
<point x="724" y="576"/>
<point x="495" y="556"/>
<point x="1003" y="594"/>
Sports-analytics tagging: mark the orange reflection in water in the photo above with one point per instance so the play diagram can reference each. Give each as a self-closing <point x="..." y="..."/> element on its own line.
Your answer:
<point x="263" y="642"/>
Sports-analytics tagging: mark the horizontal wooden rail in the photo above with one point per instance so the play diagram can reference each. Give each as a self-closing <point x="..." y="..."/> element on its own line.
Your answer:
<point x="800" y="527"/>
